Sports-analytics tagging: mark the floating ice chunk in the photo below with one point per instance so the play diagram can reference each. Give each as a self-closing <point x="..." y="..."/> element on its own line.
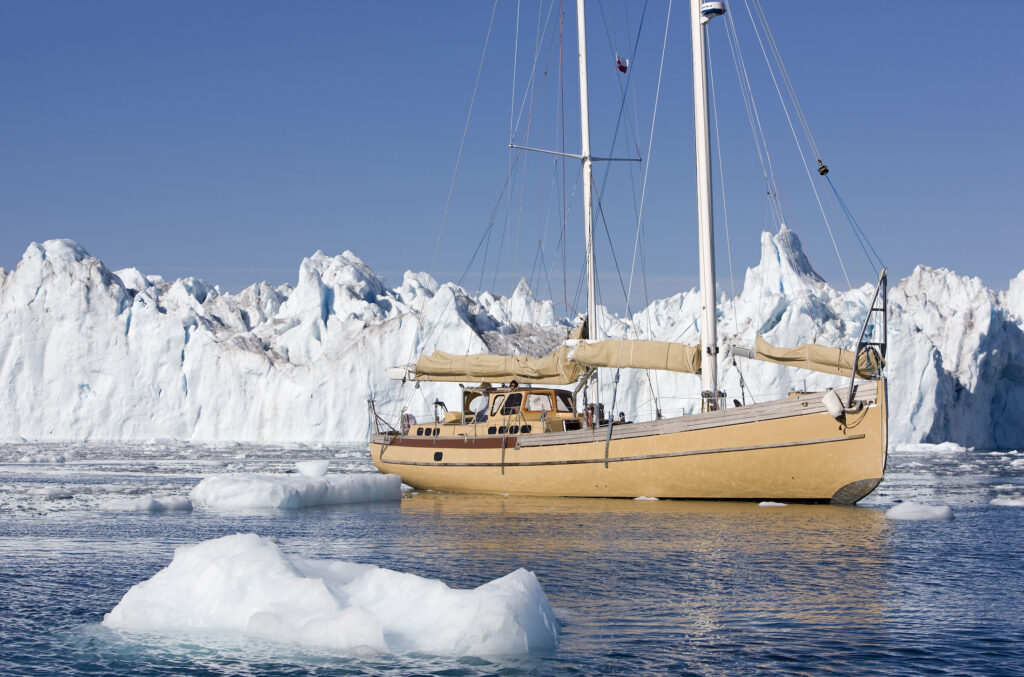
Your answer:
<point x="52" y="493"/>
<point x="645" y="498"/>
<point x="918" y="511"/>
<point x="1017" y="462"/>
<point x="244" y="491"/>
<point x="924" y="446"/>
<point x="771" y="504"/>
<point x="43" y="458"/>
<point x="244" y="583"/>
<point x="1007" y="500"/>
<point x="312" y="468"/>
<point x="150" y="504"/>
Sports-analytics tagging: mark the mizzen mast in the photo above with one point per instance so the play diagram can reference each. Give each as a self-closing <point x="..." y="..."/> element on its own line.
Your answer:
<point x="700" y="14"/>
<point x="588" y="191"/>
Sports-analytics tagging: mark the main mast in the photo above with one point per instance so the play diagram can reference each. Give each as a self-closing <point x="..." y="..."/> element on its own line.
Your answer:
<point x="700" y="14"/>
<point x="588" y="194"/>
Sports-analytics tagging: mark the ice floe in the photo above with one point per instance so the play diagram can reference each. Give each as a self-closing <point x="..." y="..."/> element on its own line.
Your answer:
<point x="245" y="583"/>
<point x="150" y="504"/>
<point x="909" y="510"/>
<point x="1007" y="500"/>
<point x="771" y="504"/>
<point x="244" y="491"/>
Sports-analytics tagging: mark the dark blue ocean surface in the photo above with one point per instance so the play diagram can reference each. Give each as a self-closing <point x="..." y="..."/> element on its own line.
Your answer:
<point x="667" y="587"/>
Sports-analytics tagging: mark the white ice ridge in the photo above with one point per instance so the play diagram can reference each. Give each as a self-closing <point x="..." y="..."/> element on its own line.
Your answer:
<point x="88" y="353"/>
<point x="245" y="583"/>
<point x="909" y="510"/>
<point x="244" y="491"/>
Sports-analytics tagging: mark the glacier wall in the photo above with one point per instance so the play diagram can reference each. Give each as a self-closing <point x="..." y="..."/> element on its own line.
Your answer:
<point x="91" y="354"/>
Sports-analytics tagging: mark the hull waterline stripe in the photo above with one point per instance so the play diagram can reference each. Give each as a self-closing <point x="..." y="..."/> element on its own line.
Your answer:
<point x="646" y="457"/>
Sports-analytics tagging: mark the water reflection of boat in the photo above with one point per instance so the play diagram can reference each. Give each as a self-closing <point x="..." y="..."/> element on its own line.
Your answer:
<point x="691" y="566"/>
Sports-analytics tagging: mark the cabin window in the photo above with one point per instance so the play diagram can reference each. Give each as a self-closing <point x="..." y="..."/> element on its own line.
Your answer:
<point x="498" y="399"/>
<point x="538" y="402"/>
<point x="563" y="402"/>
<point x="512" y="404"/>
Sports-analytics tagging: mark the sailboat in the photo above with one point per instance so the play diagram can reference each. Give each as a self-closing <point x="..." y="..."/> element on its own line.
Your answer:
<point x="527" y="429"/>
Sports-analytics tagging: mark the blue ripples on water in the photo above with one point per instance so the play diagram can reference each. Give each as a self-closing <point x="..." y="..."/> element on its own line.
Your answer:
<point x="640" y="587"/>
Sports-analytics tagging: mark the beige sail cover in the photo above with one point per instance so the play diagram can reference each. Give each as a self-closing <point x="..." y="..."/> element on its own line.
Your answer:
<point x="816" y="357"/>
<point x="637" y="355"/>
<point x="553" y="369"/>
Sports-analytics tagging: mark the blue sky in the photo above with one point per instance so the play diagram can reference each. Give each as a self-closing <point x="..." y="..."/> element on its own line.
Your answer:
<point x="229" y="140"/>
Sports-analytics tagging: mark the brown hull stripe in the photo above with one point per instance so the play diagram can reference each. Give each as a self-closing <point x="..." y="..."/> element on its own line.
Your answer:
<point x="446" y="443"/>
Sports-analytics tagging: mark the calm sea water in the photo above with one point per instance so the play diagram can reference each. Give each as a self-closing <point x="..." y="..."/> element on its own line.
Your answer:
<point x="667" y="587"/>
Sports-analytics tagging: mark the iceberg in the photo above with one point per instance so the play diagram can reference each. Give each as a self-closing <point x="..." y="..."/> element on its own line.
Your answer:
<point x="90" y="354"/>
<point x="245" y="491"/>
<point x="245" y="583"/>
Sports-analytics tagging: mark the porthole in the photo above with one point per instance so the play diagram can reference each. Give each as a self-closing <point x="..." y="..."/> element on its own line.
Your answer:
<point x="438" y="455"/>
<point x="526" y="428"/>
<point x="513" y="429"/>
<point x="492" y="430"/>
<point x="502" y="430"/>
<point x="419" y="431"/>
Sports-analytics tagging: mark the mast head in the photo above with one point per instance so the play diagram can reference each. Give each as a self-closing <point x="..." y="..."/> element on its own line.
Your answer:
<point x="709" y="10"/>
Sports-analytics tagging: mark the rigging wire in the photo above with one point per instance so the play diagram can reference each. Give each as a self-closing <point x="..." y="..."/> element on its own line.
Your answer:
<point x="784" y="74"/>
<point x="462" y="143"/>
<point x="721" y="180"/>
<point x="801" y="117"/>
<point x="861" y="237"/>
<point x="637" y="249"/>
<point x="725" y="216"/>
<point x="796" y="139"/>
<point x="754" y="118"/>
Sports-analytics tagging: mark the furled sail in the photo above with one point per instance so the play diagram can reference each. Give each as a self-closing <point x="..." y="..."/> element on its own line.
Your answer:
<point x="554" y="368"/>
<point x="821" y="358"/>
<point x="551" y="369"/>
<point x="616" y="353"/>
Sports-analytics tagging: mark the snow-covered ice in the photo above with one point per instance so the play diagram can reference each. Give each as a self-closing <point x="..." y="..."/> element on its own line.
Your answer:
<point x="244" y="491"/>
<point x="93" y="354"/>
<point x="909" y="510"/>
<point x="245" y="583"/>
<point x="645" y="498"/>
<point x="771" y="504"/>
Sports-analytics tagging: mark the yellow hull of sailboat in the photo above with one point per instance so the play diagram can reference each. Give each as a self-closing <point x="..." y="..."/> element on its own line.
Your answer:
<point x="788" y="450"/>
